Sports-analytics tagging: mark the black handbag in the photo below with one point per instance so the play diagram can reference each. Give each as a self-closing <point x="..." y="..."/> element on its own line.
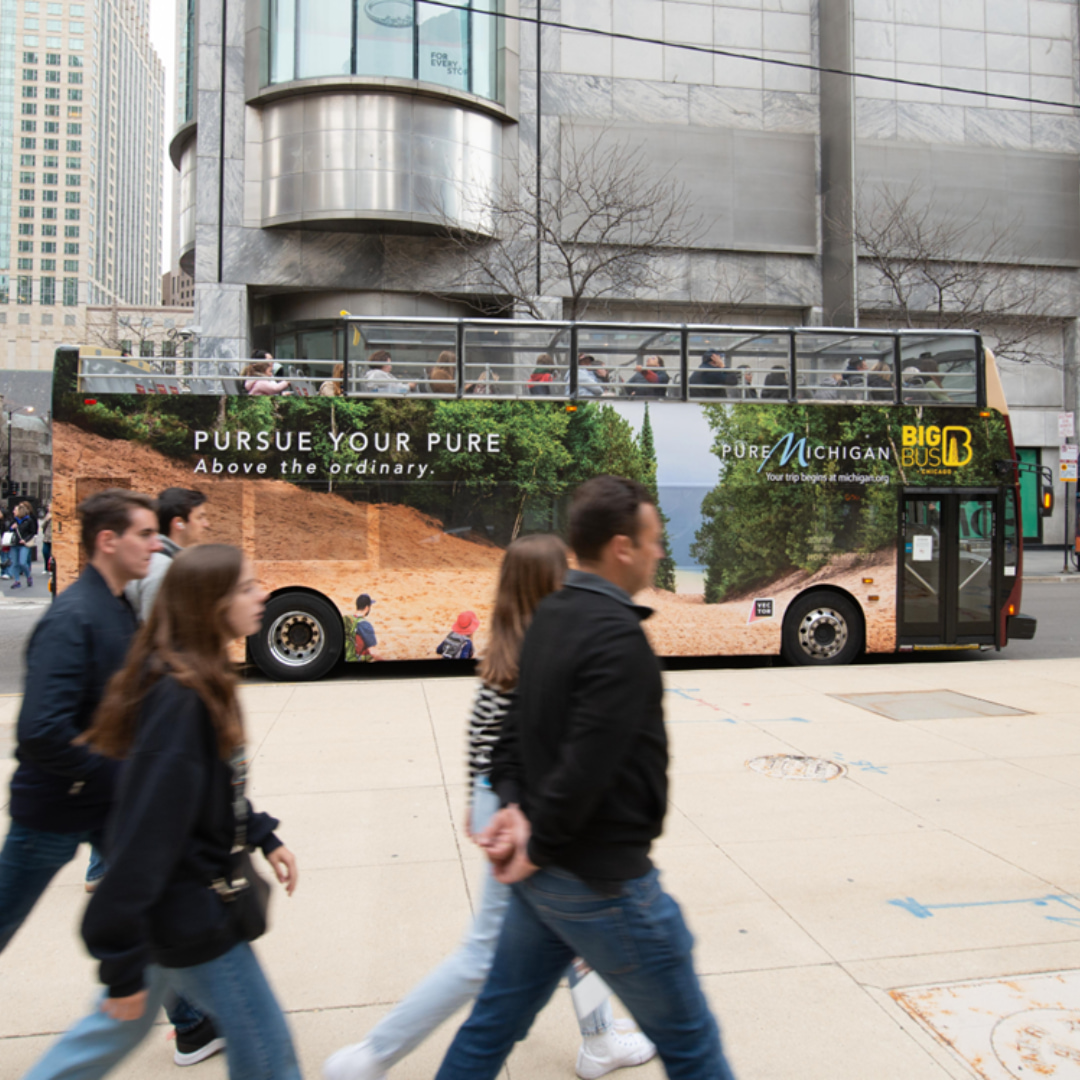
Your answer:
<point x="246" y="892"/>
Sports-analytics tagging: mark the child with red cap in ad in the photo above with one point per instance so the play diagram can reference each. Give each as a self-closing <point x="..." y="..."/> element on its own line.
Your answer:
<point x="457" y="645"/>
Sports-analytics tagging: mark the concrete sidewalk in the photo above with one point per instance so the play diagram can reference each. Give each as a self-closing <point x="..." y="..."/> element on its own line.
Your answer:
<point x="947" y="852"/>
<point x="1048" y="564"/>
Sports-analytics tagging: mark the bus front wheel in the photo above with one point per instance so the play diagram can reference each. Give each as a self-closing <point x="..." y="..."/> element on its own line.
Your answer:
<point x="822" y="628"/>
<point x="301" y="638"/>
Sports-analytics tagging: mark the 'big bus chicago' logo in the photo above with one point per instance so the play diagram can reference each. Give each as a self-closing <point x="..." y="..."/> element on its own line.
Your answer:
<point x="935" y="447"/>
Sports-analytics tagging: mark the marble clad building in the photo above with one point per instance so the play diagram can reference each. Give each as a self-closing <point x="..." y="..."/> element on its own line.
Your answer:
<point x="316" y="137"/>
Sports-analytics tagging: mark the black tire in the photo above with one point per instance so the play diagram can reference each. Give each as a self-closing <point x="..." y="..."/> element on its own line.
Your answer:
<point x="822" y="628"/>
<point x="301" y="638"/>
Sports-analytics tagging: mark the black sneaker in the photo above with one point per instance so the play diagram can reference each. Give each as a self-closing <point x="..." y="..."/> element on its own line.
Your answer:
<point x="198" y="1044"/>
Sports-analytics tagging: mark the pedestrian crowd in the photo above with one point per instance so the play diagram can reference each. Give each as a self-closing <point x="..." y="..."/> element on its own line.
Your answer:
<point x="131" y="739"/>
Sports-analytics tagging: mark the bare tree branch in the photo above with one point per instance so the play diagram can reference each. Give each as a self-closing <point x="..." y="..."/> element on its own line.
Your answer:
<point x="920" y="267"/>
<point x="587" y="228"/>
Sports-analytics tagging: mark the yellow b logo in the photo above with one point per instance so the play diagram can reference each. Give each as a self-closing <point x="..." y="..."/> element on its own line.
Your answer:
<point x="955" y="440"/>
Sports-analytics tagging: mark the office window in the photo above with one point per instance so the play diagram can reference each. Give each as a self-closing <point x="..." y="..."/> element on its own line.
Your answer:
<point x="29" y="58"/>
<point x="48" y="247"/>
<point x="72" y="215"/>
<point x="75" y="78"/>
<point x="28" y="109"/>
<point x="54" y="43"/>
<point x="26" y="211"/>
<point x="4" y="289"/>
<point x="48" y="290"/>
<point x="71" y="266"/>
<point x="26" y="230"/>
<point x="54" y="26"/>
<point x="71" y="291"/>
<point x="49" y="196"/>
<point x="26" y="264"/>
<point x="52" y="110"/>
<point x="52" y="76"/>
<point x="48" y="230"/>
<point x="29" y="74"/>
<point x="26" y="194"/>
<point x="73" y="179"/>
<point x="52" y="93"/>
<point x="26" y="246"/>
<point x="24" y="290"/>
<point x="49" y="177"/>
<point x="28" y="144"/>
<point x="31" y="24"/>
<point x="51" y="144"/>
<point x="50" y="161"/>
<point x="74" y="95"/>
<point x="74" y="129"/>
<point x="75" y="61"/>
<point x="29" y="125"/>
<point x="72" y="196"/>
<point x="69" y="249"/>
<point x="75" y="43"/>
<point x="76" y="11"/>
<point x="49" y="211"/>
<point x="29" y="91"/>
<point x="69" y="230"/>
<point x="26" y="178"/>
<point x="53" y="59"/>
<point x="49" y="264"/>
<point x="30" y="39"/>
<point x="52" y="128"/>
<point x="74" y="146"/>
<point x="28" y="160"/>
<point x="74" y="163"/>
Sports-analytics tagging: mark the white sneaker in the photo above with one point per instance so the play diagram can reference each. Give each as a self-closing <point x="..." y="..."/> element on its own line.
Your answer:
<point x="601" y="1054"/>
<point x="356" y="1062"/>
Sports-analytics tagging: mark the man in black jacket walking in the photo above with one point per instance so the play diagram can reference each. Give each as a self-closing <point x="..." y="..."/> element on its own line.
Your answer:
<point x="61" y="794"/>
<point x="581" y="767"/>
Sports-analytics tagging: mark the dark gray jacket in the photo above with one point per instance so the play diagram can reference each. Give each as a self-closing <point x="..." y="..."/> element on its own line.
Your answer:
<point x="80" y="642"/>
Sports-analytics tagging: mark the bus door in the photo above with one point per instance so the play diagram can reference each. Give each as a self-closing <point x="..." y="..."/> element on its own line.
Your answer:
<point x="948" y="570"/>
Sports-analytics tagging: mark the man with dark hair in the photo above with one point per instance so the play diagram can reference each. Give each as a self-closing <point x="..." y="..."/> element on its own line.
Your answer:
<point x="711" y="379"/>
<point x="581" y="768"/>
<point x="61" y="793"/>
<point x="182" y="522"/>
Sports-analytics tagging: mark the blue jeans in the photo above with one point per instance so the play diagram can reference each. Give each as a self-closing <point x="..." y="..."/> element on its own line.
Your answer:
<point x="96" y="870"/>
<point x="231" y="989"/>
<point x="639" y="944"/>
<point x="29" y="860"/>
<point x="461" y="976"/>
<point x="20" y="562"/>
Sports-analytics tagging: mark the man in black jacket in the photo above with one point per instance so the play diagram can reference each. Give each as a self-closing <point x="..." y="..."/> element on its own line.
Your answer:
<point x="581" y="767"/>
<point x="61" y="794"/>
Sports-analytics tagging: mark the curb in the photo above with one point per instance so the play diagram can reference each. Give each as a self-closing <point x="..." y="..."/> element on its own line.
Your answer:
<point x="1074" y="576"/>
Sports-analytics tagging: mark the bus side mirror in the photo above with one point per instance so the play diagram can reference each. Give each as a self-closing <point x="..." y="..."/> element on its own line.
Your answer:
<point x="1046" y="500"/>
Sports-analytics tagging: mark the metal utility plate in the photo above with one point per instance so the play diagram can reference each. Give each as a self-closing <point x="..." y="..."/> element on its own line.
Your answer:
<point x="1005" y="1029"/>
<point x="928" y="705"/>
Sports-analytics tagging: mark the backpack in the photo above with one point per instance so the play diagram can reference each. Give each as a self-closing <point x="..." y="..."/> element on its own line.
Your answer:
<point x="455" y="647"/>
<point x="365" y="635"/>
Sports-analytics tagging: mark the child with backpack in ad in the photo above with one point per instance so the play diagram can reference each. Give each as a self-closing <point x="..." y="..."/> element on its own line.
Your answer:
<point x="457" y="645"/>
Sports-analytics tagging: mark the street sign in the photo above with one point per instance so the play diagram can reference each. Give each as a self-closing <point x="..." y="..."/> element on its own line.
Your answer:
<point x="1068" y="472"/>
<point x="1066" y="425"/>
<point x="1070" y="452"/>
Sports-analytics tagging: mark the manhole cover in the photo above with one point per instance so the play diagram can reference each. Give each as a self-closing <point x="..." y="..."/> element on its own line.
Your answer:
<point x="1039" y="1042"/>
<point x="796" y="767"/>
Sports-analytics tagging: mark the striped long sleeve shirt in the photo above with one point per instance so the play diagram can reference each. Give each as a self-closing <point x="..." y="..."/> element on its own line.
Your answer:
<point x="485" y="723"/>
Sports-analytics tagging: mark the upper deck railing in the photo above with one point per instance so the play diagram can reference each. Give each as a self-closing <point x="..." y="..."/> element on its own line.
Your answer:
<point x="494" y="359"/>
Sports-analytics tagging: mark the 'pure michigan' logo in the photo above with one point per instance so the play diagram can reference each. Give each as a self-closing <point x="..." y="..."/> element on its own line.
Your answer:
<point x="935" y="448"/>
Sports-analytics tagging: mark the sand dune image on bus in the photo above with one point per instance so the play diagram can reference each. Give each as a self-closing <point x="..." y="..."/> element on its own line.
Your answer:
<point x="825" y="493"/>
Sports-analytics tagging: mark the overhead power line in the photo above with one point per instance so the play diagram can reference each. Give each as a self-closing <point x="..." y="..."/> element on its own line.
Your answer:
<point x="712" y="50"/>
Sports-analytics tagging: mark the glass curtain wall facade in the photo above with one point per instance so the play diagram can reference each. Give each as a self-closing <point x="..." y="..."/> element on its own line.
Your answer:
<point x="456" y="47"/>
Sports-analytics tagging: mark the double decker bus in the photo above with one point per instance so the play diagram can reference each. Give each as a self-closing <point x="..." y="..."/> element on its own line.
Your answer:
<point x="825" y="493"/>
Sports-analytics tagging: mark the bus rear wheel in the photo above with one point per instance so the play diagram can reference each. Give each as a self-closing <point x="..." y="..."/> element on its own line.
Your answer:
<point x="822" y="628"/>
<point x="301" y="638"/>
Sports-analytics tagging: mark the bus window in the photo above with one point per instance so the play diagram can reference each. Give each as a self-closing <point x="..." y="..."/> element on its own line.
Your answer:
<point x="515" y="361"/>
<point x="742" y="366"/>
<point x="631" y="361"/>
<point x="939" y="369"/>
<point x="845" y="367"/>
<point x="417" y="359"/>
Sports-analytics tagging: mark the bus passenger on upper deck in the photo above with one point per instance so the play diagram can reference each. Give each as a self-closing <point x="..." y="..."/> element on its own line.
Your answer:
<point x="829" y="388"/>
<point x="259" y="377"/>
<point x="776" y="384"/>
<point x="853" y="372"/>
<point x="650" y="380"/>
<point x="441" y="378"/>
<point x="590" y="377"/>
<point x="880" y="381"/>
<point x="541" y="382"/>
<point x="332" y="386"/>
<point x="378" y="380"/>
<point x="711" y="380"/>
<point x="747" y="391"/>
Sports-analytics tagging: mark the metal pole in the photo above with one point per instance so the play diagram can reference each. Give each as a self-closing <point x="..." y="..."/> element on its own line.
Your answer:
<point x="8" y="411"/>
<point x="1065" y="536"/>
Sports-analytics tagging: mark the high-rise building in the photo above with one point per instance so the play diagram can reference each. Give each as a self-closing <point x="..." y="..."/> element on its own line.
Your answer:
<point x="81" y="141"/>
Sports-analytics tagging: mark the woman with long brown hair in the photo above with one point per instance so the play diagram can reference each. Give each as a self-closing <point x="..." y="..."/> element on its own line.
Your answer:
<point x="177" y="908"/>
<point x="533" y="568"/>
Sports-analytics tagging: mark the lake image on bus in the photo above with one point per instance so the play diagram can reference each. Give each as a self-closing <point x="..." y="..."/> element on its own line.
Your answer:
<point x="824" y="493"/>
